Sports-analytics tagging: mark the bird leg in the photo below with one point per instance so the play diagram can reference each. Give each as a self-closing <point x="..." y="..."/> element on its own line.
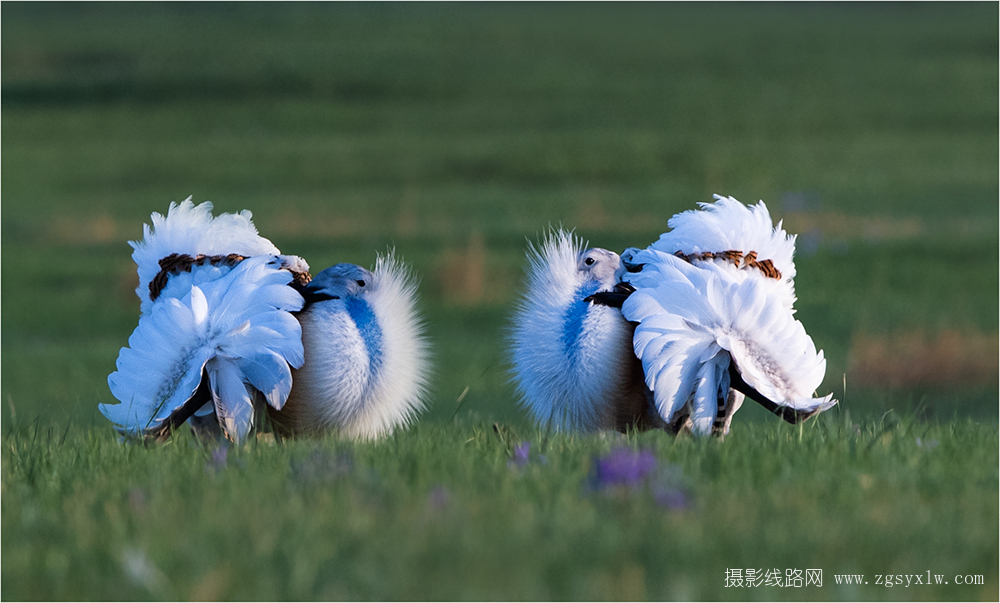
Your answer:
<point x="727" y="408"/>
<point x="682" y="422"/>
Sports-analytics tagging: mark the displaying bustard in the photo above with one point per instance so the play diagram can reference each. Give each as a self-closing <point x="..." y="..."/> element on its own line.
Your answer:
<point x="707" y="310"/>
<point x="228" y="326"/>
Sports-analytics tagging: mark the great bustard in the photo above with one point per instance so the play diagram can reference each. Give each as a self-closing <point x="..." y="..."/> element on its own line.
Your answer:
<point x="224" y="330"/>
<point x="707" y="310"/>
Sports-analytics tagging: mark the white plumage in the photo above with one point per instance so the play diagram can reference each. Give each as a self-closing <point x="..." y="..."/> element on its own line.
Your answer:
<point x="207" y="314"/>
<point x="694" y="320"/>
<point x="728" y="224"/>
<point x="237" y="329"/>
<point x="191" y="230"/>
<point x="572" y="359"/>
<point x="712" y="307"/>
<point x="366" y="356"/>
<point x="219" y="335"/>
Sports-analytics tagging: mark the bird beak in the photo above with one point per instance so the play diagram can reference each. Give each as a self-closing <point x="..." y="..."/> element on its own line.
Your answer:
<point x="614" y="298"/>
<point x="311" y="294"/>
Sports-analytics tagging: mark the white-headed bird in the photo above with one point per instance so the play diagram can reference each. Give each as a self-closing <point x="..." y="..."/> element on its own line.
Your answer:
<point x="221" y="334"/>
<point x="572" y="358"/>
<point x="711" y="305"/>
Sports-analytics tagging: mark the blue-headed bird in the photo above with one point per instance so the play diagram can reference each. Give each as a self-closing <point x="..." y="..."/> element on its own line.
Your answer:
<point x="365" y="369"/>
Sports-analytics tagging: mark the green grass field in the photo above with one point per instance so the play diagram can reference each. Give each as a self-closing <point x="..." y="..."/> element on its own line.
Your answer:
<point x="456" y="133"/>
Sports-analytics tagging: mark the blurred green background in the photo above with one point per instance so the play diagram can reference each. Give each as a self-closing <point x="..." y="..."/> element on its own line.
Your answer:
<point x="458" y="132"/>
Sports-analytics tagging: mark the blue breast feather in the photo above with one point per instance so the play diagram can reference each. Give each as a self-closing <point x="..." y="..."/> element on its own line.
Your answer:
<point x="369" y="329"/>
<point x="573" y="318"/>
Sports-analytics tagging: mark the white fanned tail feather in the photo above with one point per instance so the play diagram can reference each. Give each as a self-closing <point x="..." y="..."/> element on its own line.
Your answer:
<point x="728" y="225"/>
<point x="191" y="230"/>
<point x="697" y="317"/>
<point x="229" y="321"/>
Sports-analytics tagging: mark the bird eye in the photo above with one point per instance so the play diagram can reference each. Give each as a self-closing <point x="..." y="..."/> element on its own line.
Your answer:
<point x="589" y="261"/>
<point x="360" y="283"/>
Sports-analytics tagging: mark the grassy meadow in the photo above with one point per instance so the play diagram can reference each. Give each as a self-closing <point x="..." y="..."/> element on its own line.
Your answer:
<point x="456" y="133"/>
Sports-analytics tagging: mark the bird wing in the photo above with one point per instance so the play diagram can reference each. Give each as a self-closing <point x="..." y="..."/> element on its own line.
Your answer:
<point x="238" y="328"/>
<point x="694" y="320"/>
<point x="232" y="398"/>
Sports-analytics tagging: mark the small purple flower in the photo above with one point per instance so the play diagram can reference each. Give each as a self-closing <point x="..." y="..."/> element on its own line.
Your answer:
<point x="219" y="456"/>
<point x="623" y="467"/>
<point x="625" y="471"/>
<point x="520" y="458"/>
<point x="321" y="466"/>
<point x="670" y="497"/>
<point x="218" y="460"/>
<point x="438" y="498"/>
<point x="137" y="500"/>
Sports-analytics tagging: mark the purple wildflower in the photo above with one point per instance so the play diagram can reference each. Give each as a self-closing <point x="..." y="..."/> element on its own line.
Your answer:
<point x="438" y="498"/>
<point x="520" y="458"/>
<point x="670" y="497"/>
<point x="137" y="500"/>
<point x="321" y="467"/>
<point x="218" y="460"/>
<point x="623" y="467"/>
<point x="219" y="456"/>
<point x="624" y="471"/>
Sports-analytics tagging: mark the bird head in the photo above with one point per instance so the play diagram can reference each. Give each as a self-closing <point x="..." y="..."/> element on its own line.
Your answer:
<point x="596" y="265"/>
<point x="338" y="282"/>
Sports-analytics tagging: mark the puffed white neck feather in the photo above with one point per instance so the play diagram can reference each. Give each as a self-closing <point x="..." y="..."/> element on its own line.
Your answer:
<point x="353" y="383"/>
<point x="572" y="360"/>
